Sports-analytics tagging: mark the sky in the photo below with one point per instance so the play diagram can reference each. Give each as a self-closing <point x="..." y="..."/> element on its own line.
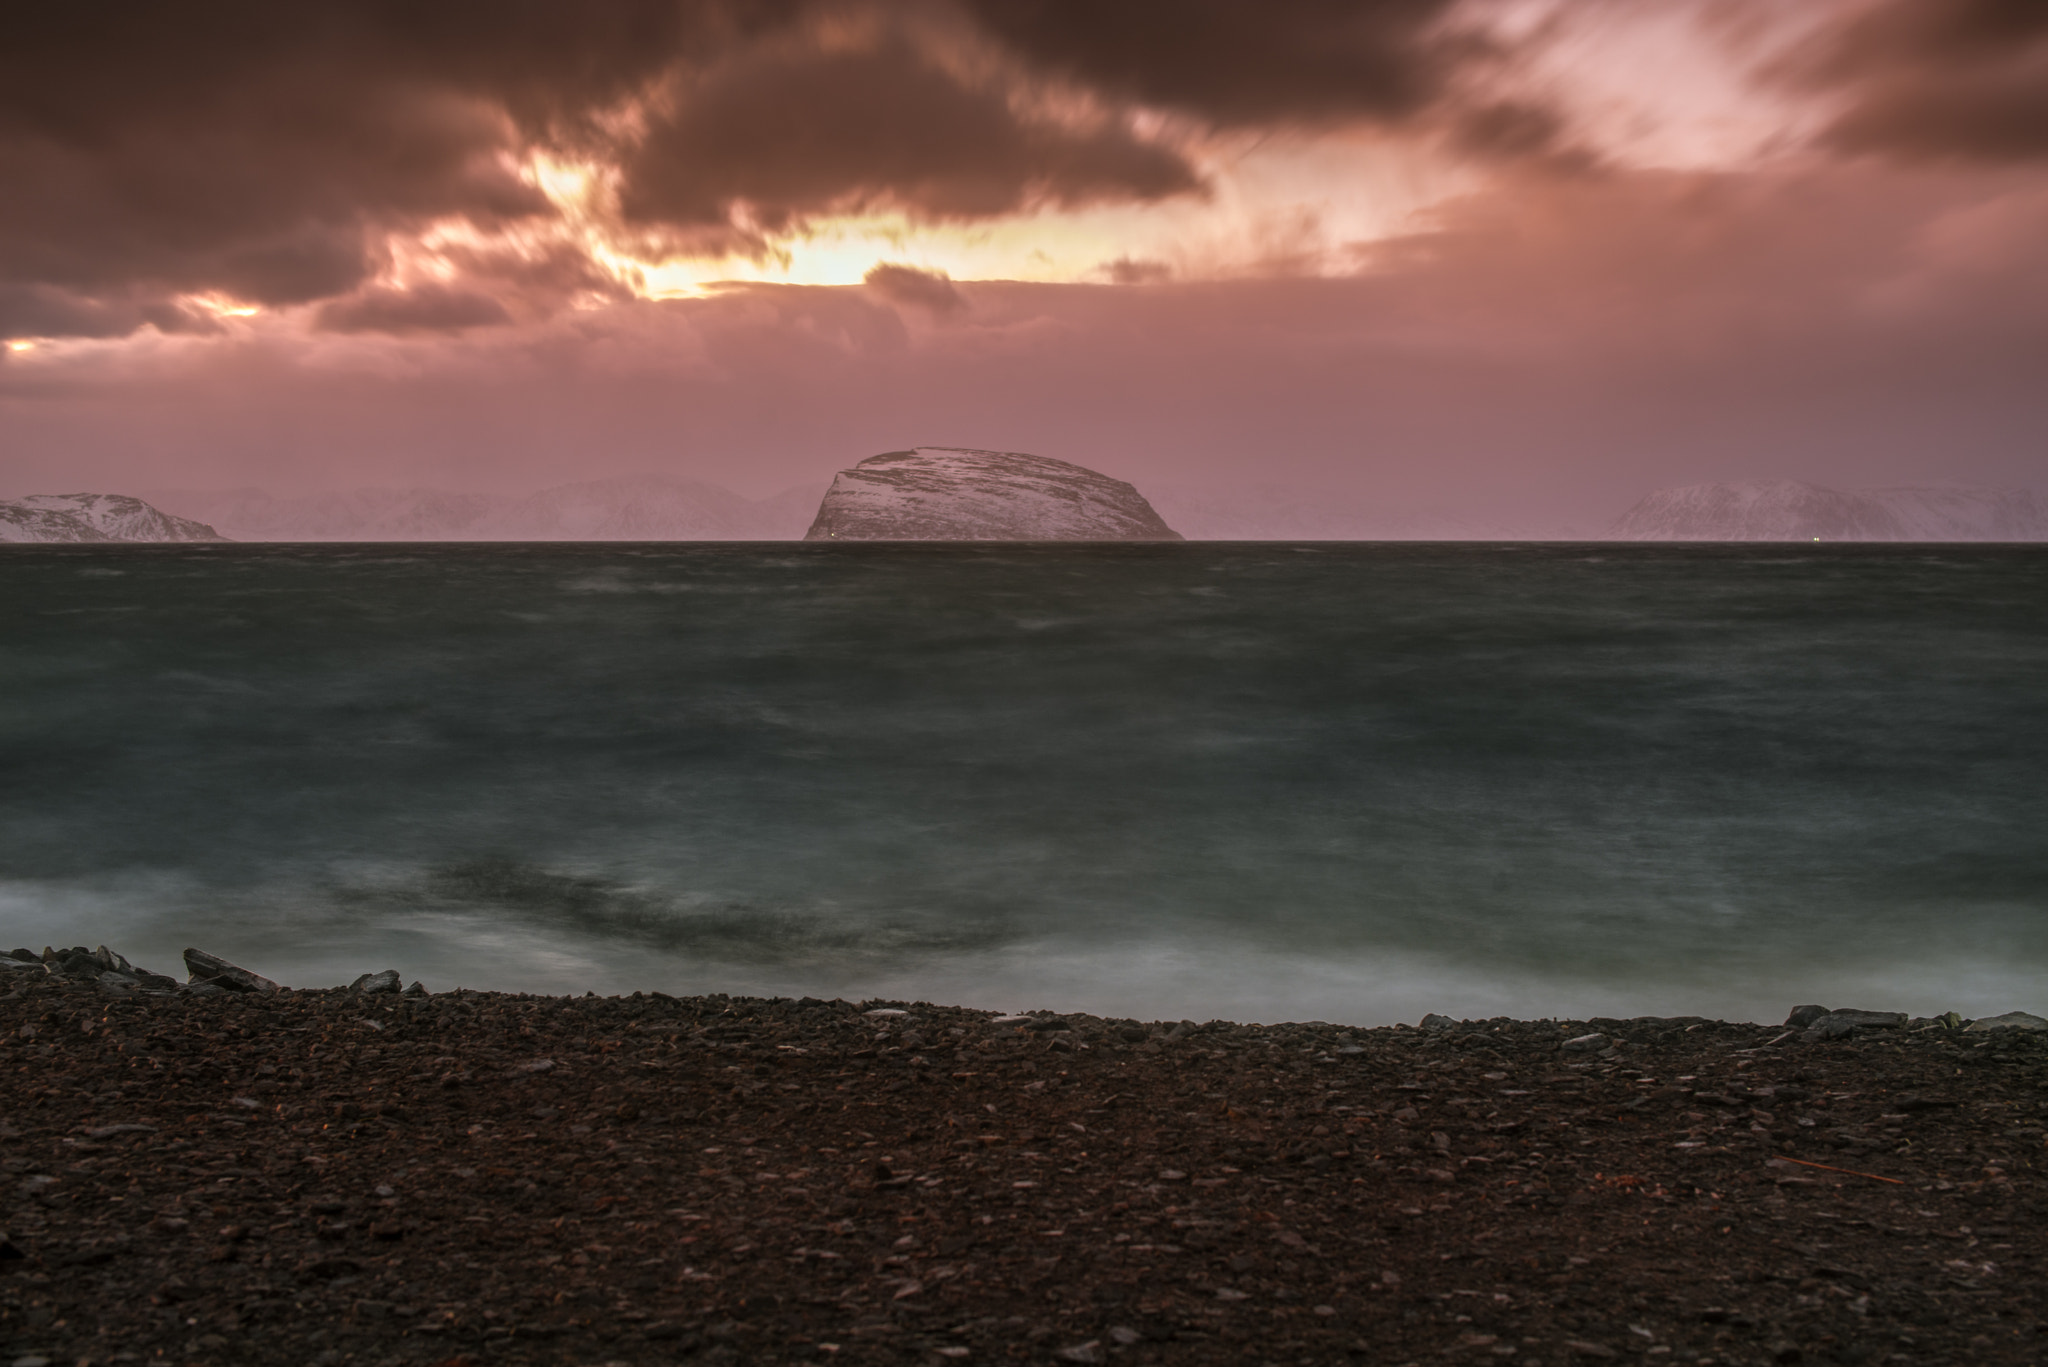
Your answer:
<point x="1515" y="257"/>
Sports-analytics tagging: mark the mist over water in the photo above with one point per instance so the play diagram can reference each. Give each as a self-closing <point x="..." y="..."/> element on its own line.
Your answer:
<point x="1324" y="781"/>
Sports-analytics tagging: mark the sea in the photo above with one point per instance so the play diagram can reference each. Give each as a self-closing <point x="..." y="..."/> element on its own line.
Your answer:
<point x="1347" y="782"/>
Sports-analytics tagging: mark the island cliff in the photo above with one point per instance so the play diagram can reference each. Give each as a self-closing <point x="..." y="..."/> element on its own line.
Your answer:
<point x="938" y="493"/>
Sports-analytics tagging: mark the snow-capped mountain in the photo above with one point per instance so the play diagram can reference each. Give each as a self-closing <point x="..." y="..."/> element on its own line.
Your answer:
<point x="94" y="517"/>
<point x="1959" y="512"/>
<point x="345" y="515"/>
<point x="644" y="508"/>
<point x="1279" y="512"/>
<point x="942" y="493"/>
<point x="1788" y="510"/>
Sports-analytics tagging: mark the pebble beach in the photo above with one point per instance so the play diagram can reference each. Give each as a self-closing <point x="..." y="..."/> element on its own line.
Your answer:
<point x="224" y="1170"/>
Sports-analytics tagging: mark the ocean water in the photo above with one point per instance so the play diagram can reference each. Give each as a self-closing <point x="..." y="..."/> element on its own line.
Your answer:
<point x="1345" y="782"/>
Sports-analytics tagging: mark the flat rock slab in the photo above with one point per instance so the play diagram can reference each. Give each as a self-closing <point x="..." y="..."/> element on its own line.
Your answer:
<point x="2011" y="1020"/>
<point x="1837" y="1024"/>
<point x="507" y="1179"/>
<point x="211" y="968"/>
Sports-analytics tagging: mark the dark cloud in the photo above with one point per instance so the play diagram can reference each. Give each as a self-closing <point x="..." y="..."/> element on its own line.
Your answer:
<point x="933" y="291"/>
<point x="262" y="150"/>
<point x="1518" y="131"/>
<point x="1126" y="270"/>
<point x="794" y="132"/>
<point x="424" y="308"/>
<point x="541" y="281"/>
<point x="1232" y="63"/>
<point x="1965" y="79"/>
<point x="37" y="310"/>
<point x="269" y="151"/>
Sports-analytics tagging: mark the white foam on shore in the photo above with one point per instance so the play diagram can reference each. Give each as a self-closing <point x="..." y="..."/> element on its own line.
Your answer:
<point x="1198" y="977"/>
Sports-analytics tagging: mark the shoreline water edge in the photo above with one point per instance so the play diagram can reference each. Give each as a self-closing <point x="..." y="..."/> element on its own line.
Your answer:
<point x="229" y="1171"/>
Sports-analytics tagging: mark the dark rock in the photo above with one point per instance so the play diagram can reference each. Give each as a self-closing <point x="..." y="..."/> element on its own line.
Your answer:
<point x="211" y="968"/>
<point x="1432" y="1021"/>
<point x="371" y="984"/>
<point x="1803" y="1016"/>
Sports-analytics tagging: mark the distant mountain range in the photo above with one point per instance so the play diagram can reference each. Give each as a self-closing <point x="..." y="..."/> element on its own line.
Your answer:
<point x="1281" y="512"/>
<point x="1787" y="510"/>
<point x="94" y="517"/>
<point x="643" y="508"/>
<point x="651" y="508"/>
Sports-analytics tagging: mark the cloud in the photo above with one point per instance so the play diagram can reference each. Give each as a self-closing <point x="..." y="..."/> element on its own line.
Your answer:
<point x="423" y="308"/>
<point x="37" y="310"/>
<point x="1234" y="64"/>
<point x="785" y="133"/>
<point x="288" y="155"/>
<point x="1127" y="270"/>
<point x="930" y="290"/>
<point x="1958" y="79"/>
<point x="266" y="151"/>
<point x="1553" y="345"/>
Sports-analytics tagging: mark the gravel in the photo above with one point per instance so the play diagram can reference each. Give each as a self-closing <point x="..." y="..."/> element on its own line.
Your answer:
<point x="331" y="1177"/>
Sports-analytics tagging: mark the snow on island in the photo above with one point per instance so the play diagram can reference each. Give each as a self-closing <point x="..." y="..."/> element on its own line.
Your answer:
<point x="943" y="493"/>
<point x="94" y="517"/>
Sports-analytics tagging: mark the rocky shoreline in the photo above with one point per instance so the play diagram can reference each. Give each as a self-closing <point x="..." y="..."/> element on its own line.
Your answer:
<point x="223" y="1170"/>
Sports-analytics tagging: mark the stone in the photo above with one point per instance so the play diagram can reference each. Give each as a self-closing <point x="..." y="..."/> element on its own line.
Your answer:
<point x="1841" y="1024"/>
<point x="941" y="493"/>
<point x="1584" y="1044"/>
<point x="2011" y="1020"/>
<point x="1803" y="1016"/>
<point x="418" y="989"/>
<point x="109" y="1131"/>
<point x="1432" y="1021"/>
<point x="372" y="983"/>
<point x="211" y="968"/>
<point x="73" y="963"/>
